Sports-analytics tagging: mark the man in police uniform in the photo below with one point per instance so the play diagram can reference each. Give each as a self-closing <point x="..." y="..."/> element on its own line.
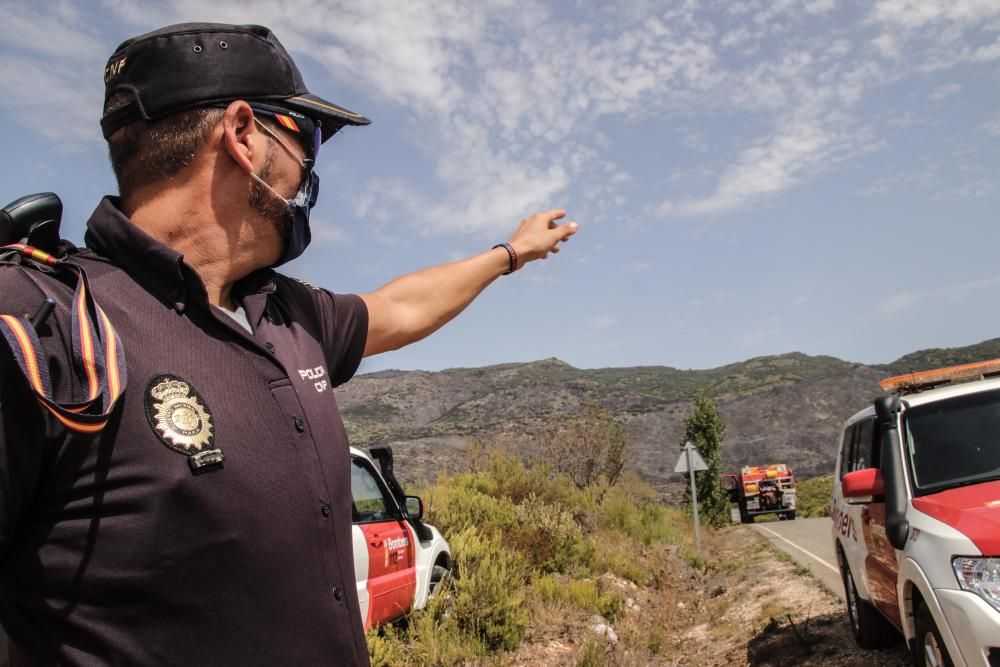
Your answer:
<point x="210" y="520"/>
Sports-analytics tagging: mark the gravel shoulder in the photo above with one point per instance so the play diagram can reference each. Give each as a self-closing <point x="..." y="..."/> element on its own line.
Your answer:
<point x="748" y="604"/>
<point x="791" y="616"/>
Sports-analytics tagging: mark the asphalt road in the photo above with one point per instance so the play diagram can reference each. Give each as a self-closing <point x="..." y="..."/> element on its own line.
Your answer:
<point x="808" y="542"/>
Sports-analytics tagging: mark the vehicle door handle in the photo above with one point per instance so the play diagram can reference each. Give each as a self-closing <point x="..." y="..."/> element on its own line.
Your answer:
<point x="866" y="516"/>
<point x="375" y="541"/>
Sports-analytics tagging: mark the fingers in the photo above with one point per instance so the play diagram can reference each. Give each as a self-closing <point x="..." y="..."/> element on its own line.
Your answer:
<point x="550" y="217"/>
<point x="566" y="230"/>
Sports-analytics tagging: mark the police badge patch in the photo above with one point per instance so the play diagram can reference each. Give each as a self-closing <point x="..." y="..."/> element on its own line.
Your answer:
<point x="181" y="420"/>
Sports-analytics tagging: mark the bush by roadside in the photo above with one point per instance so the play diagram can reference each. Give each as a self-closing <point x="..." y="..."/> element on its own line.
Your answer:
<point x="531" y="544"/>
<point x="814" y="496"/>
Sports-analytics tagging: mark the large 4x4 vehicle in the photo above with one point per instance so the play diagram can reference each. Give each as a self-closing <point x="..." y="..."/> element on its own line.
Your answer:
<point x="399" y="561"/>
<point x="916" y="513"/>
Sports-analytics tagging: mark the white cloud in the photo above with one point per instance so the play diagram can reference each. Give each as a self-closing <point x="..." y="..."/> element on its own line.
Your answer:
<point x="906" y="300"/>
<point x="888" y="45"/>
<point x="944" y="92"/>
<point x="772" y="165"/>
<point x="325" y="233"/>
<point x="820" y="6"/>
<point x="50" y="101"/>
<point x="919" y="179"/>
<point x="602" y="322"/>
<point x="992" y="126"/>
<point x="509" y="96"/>
<point x="56" y="34"/>
<point x="918" y="13"/>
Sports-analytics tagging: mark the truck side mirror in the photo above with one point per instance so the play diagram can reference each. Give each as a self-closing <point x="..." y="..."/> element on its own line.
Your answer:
<point x="413" y="508"/>
<point x="862" y="486"/>
<point x="728" y="484"/>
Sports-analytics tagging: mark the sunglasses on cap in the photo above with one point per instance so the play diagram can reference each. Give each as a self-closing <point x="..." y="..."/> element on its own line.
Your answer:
<point x="309" y="132"/>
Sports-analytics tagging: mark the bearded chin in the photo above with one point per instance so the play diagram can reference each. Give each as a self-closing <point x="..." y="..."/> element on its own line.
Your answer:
<point x="268" y="206"/>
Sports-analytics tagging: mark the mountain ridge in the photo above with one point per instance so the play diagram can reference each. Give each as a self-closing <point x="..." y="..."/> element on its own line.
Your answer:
<point x="786" y="407"/>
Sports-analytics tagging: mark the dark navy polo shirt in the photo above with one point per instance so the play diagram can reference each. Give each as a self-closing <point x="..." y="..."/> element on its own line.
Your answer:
<point x="111" y="549"/>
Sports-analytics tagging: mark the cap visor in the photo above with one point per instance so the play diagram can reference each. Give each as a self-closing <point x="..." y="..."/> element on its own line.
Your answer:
<point x="334" y="117"/>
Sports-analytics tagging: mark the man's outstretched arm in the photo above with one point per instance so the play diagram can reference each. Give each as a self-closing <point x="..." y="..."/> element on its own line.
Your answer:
<point x="416" y="305"/>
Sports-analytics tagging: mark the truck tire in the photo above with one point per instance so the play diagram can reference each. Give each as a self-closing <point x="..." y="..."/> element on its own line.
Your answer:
<point x="745" y="517"/>
<point x="439" y="580"/>
<point x="928" y="648"/>
<point x="790" y="515"/>
<point x="870" y="628"/>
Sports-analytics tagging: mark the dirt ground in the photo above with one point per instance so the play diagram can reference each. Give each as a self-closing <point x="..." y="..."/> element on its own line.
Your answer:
<point x="751" y="605"/>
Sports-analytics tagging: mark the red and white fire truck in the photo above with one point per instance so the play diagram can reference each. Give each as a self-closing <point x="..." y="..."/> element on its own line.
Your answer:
<point x="400" y="562"/>
<point x="916" y="514"/>
<point x="760" y="490"/>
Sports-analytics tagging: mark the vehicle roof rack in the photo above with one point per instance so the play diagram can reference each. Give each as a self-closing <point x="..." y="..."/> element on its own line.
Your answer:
<point x="914" y="382"/>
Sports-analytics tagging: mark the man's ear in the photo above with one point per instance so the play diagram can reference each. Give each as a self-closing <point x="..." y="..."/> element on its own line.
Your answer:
<point x="240" y="135"/>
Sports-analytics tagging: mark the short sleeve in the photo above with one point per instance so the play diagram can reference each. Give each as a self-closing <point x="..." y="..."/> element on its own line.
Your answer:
<point x="345" y="332"/>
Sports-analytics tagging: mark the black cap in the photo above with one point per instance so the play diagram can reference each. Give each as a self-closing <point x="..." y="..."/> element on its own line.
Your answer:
<point x="204" y="64"/>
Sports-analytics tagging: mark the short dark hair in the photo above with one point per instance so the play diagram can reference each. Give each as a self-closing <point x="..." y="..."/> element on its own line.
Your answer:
<point x="146" y="152"/>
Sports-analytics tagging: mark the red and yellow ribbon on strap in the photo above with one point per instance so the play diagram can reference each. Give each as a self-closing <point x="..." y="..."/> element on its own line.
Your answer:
<point x="98" y="355"/>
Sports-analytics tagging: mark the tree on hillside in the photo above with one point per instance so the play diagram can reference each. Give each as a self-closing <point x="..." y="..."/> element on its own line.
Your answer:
<point x="589" y="449"/>
<point x="706" y="430"/>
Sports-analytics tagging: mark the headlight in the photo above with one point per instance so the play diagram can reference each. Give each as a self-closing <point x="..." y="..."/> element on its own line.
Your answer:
<point x="981" y="576"/>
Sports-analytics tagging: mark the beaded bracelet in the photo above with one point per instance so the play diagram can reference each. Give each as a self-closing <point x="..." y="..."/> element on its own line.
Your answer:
<point x="513" y="256"/>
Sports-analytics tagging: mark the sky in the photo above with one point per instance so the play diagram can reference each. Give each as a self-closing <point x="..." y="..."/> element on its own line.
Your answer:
<point x="749" y="177"/>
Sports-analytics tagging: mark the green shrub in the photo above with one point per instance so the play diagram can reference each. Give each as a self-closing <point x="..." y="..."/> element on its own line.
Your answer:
<point x="813" y="496"/>
<point x="656" y="640"/>
<point x="548" y="590"/>
<point x="610" y="557"/>
<point x="488" y="598"/>
<point x="431" y="637"/>
<point x="437" y="639"/>
<point x="594" y="653"/>
<point x="385" y="647"/>
<point x="456" y="504"/>
<point x="550" y="538"/>
<point x="585" y="594"/>
<point x="644" y="521"/>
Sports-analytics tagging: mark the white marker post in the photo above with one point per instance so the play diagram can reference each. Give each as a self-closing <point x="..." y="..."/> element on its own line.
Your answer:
<point x="689" y="462"/>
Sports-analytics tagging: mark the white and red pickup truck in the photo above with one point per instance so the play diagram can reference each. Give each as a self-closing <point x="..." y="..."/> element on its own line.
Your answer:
<point x="399" y="561"/>
<point x="916" y="514"/>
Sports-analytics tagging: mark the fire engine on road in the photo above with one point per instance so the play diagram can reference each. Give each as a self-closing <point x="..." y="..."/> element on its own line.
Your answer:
<point x="762" y="490"/>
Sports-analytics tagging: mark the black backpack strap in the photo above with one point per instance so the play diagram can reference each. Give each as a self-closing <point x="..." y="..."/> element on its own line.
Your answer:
<point x="98" y="355"/>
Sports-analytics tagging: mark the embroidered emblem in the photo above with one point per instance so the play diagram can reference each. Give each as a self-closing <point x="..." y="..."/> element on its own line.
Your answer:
<point x="181" y="419"/>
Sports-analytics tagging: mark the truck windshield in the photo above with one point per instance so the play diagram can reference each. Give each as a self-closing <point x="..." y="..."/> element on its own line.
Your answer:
<point x="954" y="442"/>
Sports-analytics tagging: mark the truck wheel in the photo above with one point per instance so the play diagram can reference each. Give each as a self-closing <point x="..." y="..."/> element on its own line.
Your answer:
<point x="870" y="628"/>
<point x="745" y="517"/>
<point x="928" y="647"/>
<point x="439" y="580"/>
<point x="790" y="515"/>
